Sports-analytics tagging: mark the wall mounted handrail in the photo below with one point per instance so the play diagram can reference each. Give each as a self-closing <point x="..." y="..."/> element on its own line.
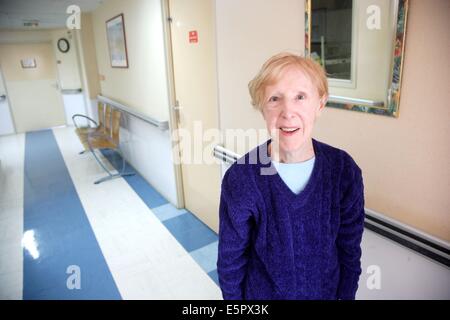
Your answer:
<point x="355" y="101"/>
<point x="225" y="155"/>
<point x="421" y="242"/>
<point x="71" y="91"/>
<point x="162" y="125"/>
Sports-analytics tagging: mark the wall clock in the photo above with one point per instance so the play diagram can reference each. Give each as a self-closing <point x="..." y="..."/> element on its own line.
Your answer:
<point x="63" y="45"/>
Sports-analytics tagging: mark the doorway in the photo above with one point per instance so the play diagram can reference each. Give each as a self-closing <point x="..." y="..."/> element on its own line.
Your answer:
<point x="194" y="89"/>
<point x="6" y="120"/>
<point x="30" y="78"/>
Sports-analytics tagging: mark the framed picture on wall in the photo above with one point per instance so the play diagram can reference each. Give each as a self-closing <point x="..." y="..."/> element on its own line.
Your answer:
<point x="115" y="32"/>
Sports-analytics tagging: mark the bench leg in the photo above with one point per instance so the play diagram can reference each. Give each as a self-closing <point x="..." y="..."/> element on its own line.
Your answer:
<point x="111" y="175"/>
<point x="122" y="172"/>
<point x="101" y="163"/>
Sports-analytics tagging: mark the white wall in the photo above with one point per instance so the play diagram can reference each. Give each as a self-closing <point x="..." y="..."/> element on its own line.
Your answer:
<point x="248" y="33"/>
<point x="404" y="274"/>
<point x="32" y="36"/>
<point x="142" y="86"/>
<point x="74" y="103"/>
<point x="85" y="44"/>
<point x="148" y="149"/>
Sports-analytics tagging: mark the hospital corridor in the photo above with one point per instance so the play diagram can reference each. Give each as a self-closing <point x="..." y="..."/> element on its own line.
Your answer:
<point x="122" y="123"/>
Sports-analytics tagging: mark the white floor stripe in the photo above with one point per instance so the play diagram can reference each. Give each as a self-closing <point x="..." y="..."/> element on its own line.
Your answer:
<point x="146" y="261"/>
<point x="12" y="149"/>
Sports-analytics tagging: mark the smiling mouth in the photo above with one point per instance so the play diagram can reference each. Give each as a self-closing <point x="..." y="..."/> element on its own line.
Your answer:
<point x="289" y="130"/>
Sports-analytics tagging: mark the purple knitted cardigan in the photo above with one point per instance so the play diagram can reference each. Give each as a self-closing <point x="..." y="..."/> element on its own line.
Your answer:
<point x="275" y="244"/>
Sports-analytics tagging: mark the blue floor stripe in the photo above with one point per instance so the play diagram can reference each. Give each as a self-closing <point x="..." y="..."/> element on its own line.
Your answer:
<point x="206" y="256"/>
<point x="62" y="233"/>
<point x="190" y="232"/>
<point x="215" y="276"/>
<point x="146" y="192"/>
<point x="167" y="211"/>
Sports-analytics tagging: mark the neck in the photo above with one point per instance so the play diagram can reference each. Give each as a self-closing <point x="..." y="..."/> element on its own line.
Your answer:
<point x="304" y="153"/>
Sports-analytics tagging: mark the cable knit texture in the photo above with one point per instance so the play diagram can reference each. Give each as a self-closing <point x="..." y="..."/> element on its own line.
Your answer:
<point x="275" y="244"/>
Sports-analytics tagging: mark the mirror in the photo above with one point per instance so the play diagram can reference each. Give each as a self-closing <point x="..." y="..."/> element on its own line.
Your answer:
<point x="361" y="46"/>
<point x="331" y="37"/>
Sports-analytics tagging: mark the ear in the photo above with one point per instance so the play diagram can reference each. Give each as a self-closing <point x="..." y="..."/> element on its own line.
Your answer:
<point x="322" y="104"/>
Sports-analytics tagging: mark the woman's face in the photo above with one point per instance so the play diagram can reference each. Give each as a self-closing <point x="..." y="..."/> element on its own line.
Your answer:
<point x="290" y="109"/>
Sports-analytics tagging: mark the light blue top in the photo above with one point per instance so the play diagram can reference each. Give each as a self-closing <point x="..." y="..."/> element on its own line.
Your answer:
<point x="295" y="175"/>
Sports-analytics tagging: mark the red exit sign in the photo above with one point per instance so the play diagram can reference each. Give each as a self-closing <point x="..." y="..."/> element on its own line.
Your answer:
<point x="193" y="36"/>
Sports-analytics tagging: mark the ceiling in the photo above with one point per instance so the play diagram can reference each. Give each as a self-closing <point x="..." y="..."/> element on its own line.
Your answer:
<point x="49" y="13"/>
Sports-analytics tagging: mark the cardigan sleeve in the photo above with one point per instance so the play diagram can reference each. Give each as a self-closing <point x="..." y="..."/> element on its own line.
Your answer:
<point x="234" y="237"/>
<point x="350" y="231"/>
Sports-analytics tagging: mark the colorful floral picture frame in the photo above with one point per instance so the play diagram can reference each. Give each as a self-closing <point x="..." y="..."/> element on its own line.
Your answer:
<point x="391" y="108"/>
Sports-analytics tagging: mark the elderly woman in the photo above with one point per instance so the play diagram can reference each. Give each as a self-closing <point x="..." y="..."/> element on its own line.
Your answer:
<point x="293" y="232"/>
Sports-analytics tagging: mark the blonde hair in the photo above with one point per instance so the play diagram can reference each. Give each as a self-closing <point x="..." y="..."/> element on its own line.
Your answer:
<point x="272" y="70"/>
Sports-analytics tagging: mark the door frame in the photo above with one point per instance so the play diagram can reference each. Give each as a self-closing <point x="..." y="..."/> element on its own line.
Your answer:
<point x="13" y="120"/>
<point x="173" y="113"/>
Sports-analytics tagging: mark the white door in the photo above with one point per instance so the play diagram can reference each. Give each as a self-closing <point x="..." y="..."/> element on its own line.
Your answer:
<point x="69" y="77"/>
<point x="195" y="80"/>
<point x="29" y="71"/>
<point x="74" y="104"/>
<point x="6" y="121"/>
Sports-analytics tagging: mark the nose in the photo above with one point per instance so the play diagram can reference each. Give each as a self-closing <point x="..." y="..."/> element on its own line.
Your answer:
<point x="288" y="109"/>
